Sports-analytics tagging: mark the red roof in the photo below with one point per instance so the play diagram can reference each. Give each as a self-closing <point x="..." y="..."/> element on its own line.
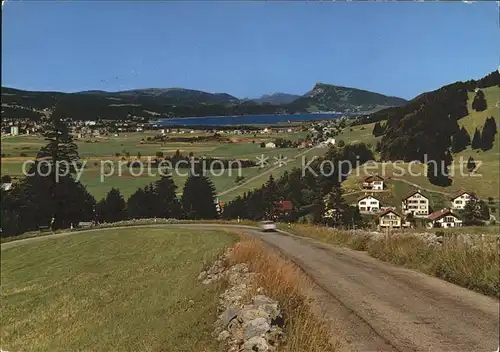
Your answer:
<point x="440" y="213"/>
<point x="284" y="205"/>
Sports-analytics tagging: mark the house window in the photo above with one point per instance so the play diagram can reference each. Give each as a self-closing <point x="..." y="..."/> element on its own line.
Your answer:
<point x="362" y="203"/>
<point x="422" y="201"/>
<point x="449" y="219"/>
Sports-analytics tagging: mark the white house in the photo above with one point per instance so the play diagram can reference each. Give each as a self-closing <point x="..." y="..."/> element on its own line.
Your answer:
<point x="330" y="141"/>
<point x="7" y="186"/>
<point x="14" y="131"/>
<point x="270" y="145"/>
<point x="368" y="204"/>
<point x="444" y="218"/>
<point x="415" y="203"/>
<point x="391" y="219"/>
<point x="374" y="182"/>
<point x="460" y="199"/>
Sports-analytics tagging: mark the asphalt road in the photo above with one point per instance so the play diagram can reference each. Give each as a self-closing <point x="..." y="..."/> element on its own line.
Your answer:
<point x="379" y="306"/>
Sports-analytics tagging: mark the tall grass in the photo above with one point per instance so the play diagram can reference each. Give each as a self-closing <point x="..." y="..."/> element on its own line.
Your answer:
<point x="285" y="282"/>
<point x="473" y="263"/>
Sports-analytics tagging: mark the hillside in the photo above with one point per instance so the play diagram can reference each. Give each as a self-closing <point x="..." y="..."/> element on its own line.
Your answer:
<point x="178" y="102"/>
<point x="171" y="95"/>
<point x="276" y="98"/>
<point x="327" y="97"/>
<point x="485" y="183"/>
<point x="426" y="124"/>
<point x="142" y="103"/>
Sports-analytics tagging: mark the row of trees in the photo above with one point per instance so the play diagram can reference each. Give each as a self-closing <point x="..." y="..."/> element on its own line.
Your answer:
<point x="52" y="197"/>
<point x="159" y="200"/>
<point x="315" y="191"/>
<point x="485" y="138"/>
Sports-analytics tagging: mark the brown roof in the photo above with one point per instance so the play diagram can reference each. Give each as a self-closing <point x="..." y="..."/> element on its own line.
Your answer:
<point x="440" y="213"/>
<point x="385" y="212"/>
<point x="372" y="178"/>
<point x="461" y="193"/>
<point x="415" y="191"/>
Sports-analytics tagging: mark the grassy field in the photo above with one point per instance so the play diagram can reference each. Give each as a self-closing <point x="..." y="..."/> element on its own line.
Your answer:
<point x="115" y="290"/>
<point x="98" y="149"/>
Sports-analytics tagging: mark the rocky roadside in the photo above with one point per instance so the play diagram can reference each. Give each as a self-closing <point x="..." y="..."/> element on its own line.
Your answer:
<point x="245" y="323"/>
<point x="432" y="238"/>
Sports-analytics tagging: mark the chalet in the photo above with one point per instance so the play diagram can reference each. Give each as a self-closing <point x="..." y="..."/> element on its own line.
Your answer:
<point x="444" y="218"/>
<point x="374" y="182"/>
<point x="368" y="204"/>
<point x="415" y="203"/>
<point x="391" y="219"/>
<point x="270" y="145"/>
<point x="219" y="206"/>
<point x="7" y="186"/>
<point x="460" y="199"/>
<point x="327" y="143"/>
<point x="283" y="206"/>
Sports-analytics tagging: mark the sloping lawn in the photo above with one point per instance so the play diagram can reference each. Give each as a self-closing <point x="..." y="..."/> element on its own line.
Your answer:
<point x="115" y="290"/>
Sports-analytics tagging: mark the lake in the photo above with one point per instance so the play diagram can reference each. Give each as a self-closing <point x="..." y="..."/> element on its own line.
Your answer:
<point x="244" y="120"/>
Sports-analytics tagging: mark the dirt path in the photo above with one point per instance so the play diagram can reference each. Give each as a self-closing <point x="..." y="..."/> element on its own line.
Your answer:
<point x="421" y="187"/>
<point x="264" y="173"/>
<point x="381" y="307"/>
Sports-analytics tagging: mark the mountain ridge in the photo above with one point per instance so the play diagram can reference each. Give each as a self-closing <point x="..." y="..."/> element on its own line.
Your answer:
<point x="183" y="102"/>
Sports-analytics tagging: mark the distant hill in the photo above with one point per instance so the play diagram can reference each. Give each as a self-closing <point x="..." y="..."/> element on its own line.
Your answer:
<point x="141" y="103"/>
<point x="327" y="97"/>
<point x="276" y="98"/>
<point x="179" y="102"/>
<point x="179" y="95"/>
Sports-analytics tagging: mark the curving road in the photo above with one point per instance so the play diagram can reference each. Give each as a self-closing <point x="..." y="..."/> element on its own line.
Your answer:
<point x="380" y="307"/>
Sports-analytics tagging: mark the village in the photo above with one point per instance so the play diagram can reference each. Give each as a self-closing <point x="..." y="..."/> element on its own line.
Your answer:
<point x="415" y="211"/>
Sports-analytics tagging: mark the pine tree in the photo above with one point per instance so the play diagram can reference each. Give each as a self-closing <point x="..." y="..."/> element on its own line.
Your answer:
<point x="488" y="134"/>
<point x="476" y="140"/>
<point x="198" y="198"/>
<point x="53" y="190"/>
<point x="135" y="205"/>
<point x="335" y="207"/>
<point x="465" y="137"/>
<point x="113" y="207"/>
<point x="460" y="140"/>
<point x="270" y="196"/>
<point x="471" y="164"/>
<point x="479" y="103"/>
<point x="437" y="169"/>
<point x="167" y="203"/>
<point x="378" y="130"/>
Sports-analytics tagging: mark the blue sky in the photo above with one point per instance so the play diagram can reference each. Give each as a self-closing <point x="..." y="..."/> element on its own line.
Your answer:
<point x="247" y="48"/>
